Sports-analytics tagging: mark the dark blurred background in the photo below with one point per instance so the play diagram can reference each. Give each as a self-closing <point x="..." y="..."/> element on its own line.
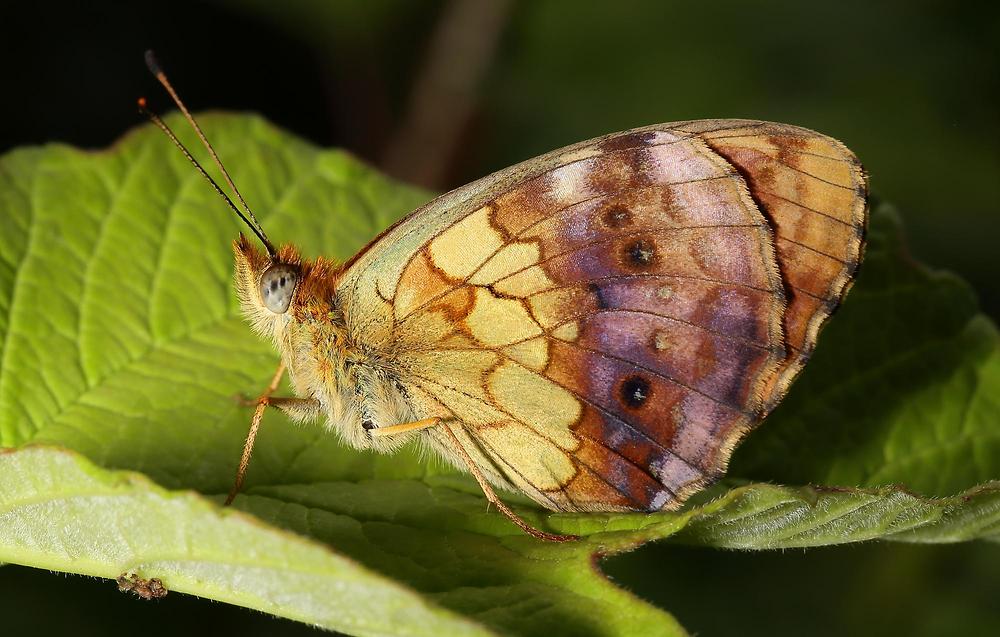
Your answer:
<point x="439" y="93"/>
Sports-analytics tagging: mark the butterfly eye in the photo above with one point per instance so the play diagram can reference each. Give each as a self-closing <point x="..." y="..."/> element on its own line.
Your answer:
<point x="277" y="286"/>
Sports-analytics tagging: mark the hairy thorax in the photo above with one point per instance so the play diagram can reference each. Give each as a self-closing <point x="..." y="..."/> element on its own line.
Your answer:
<point x="358" y="388"/>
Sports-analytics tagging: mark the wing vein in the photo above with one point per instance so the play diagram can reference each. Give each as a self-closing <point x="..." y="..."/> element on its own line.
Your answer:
<point x="805" y="207"/>
<point x="814" y="250"/>
<point x="562" y="488"/>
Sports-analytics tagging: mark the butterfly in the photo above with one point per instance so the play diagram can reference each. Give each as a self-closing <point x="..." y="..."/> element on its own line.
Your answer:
<point x="597" y="327"/>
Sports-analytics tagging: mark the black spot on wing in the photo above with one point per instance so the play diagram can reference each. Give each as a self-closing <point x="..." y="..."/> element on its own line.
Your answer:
<point x="635" y="391"/>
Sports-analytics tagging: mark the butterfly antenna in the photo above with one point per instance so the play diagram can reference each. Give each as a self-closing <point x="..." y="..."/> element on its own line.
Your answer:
<point x="153" y="117"/>
<point x="154" y="68"/>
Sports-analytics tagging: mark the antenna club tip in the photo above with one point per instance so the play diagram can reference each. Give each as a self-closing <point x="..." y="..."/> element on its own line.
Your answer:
<point x="151" y="63"/>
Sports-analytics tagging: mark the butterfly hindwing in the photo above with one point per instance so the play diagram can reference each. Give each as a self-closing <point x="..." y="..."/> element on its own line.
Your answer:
<point x="815" y="194"/>
<point x="605" y="321"/>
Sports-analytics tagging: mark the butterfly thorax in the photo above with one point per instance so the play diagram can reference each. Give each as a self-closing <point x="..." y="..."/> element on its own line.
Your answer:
<point x="358" y="387"/>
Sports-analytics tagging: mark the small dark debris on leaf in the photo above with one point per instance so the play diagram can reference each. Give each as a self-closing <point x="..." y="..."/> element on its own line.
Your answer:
<point x="145" y="588"/>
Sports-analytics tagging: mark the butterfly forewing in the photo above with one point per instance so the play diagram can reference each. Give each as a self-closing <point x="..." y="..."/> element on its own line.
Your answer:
<point x="607" y="320"/>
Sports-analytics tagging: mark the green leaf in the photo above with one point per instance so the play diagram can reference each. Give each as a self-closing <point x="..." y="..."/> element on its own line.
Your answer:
<point x="769" y="517"/>
<point x="61" y="510"/>
<point x="122" y="348"/>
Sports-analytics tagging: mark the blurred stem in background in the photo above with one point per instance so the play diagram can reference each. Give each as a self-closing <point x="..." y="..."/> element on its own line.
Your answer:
<point x="445" y="92"/>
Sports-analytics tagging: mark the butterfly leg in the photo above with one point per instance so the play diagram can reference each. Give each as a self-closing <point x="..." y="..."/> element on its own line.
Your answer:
<point x="418" y="425"/>
<point x="492" y="497"/>
<point x="300" y="410"/>
<point x="297" y="408"/>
